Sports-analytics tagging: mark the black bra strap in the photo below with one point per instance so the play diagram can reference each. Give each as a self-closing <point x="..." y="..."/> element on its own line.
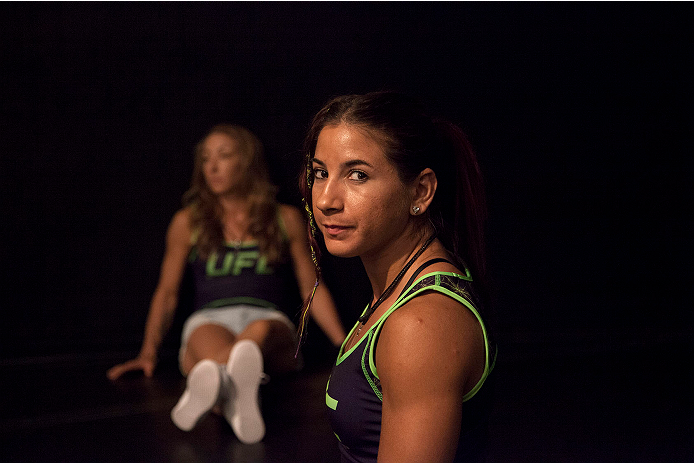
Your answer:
<point x="422" y="267"/>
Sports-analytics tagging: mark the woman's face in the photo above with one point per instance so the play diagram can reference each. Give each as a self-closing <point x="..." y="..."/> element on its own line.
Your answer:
<point x="360" y="204"/>
<point x="223" y="164"/>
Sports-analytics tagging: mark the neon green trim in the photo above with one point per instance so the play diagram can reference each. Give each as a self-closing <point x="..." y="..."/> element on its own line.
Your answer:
<point x="194" y="235"/>
<point x="402" y="300"/>
<point x="341" y="355"/>
<point x="242" y="244"/>
<point x="239" y="300"/>
<point x="379" y="394"/>
<point x="330" y="402"/>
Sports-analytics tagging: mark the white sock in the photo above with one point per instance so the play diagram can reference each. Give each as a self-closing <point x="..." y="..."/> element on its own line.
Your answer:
<point x="242" y="410"/>
<point x="203" y="387"/>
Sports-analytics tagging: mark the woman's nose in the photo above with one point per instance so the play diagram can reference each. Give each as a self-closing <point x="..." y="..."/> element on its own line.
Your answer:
<point x="327" y="197"/>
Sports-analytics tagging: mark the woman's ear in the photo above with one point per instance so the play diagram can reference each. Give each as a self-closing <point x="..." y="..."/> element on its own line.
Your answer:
<point x="424" y="187"/>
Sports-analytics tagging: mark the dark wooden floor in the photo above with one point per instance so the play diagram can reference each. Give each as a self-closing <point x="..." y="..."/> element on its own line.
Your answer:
<point x="632" y="406"/>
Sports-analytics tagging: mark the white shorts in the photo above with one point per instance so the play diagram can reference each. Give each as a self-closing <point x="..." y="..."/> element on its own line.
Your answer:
<point x="235" y="318"/>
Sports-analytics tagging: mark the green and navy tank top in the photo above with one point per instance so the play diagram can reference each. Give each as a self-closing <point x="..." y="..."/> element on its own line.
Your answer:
<point x="354" y="395"/>
<point x="239" y="274"/>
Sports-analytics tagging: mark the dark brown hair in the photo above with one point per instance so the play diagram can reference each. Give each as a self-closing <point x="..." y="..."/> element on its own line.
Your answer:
<point x="413" y="141"/>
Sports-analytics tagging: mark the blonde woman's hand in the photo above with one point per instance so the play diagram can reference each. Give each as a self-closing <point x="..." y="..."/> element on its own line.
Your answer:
<point x="145" y="364"/>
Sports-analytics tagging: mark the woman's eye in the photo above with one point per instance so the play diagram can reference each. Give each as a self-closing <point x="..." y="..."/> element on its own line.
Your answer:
<point x="358" y="175"/>
<point x="319" y="173"/>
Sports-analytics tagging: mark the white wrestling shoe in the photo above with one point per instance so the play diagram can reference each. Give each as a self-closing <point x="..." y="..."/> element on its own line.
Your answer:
<point x="242" y="410"/>
<point x="202" y="393"/>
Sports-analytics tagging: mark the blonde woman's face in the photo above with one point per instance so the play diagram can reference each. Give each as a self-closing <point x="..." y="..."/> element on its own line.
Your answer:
<point x="223" y="163"/>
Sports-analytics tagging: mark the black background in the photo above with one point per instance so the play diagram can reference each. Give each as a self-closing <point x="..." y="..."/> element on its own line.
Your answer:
<point x="579" y="112"/>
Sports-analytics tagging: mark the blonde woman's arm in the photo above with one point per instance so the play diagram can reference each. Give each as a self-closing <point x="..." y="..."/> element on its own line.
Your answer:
<point x="323" y="310"/>
<point x="163" y="304"/>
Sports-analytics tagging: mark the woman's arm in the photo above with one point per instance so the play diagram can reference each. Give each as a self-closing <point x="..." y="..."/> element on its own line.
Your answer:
<point x="323" y="309"/>
<point x="429" y="354"/>
<point x="165" y="298"/>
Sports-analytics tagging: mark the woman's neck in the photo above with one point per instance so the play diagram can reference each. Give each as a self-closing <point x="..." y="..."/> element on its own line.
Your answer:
<point x="232" y="204"/>
<point x="235" y="220"/>
<point x="384" y="267"/>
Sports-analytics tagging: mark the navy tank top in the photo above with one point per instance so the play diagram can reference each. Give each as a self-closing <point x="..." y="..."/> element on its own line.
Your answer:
<point x="354" y="395"/>
<point x="239" y="274"/>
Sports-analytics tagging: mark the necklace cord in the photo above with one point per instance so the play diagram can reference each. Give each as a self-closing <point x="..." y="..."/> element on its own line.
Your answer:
<point x="391" y="287"/>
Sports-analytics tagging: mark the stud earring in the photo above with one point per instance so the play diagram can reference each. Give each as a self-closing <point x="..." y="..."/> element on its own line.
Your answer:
<point x="415" y="210"/>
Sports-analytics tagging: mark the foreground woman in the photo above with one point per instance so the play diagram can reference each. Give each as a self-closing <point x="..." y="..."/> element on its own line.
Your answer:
<point x="403" y="192"/>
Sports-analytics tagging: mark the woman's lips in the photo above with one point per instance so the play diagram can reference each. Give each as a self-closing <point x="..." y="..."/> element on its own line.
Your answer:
<point x="335" y="230"/>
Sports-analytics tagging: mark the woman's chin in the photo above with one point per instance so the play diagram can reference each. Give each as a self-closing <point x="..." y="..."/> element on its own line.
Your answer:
<point x="337" y="250"/>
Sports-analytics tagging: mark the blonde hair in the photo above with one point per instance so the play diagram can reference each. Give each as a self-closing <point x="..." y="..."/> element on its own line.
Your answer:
<point x="206" y="212"/>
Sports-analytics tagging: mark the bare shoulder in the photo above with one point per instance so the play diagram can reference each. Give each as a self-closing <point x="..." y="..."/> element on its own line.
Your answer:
<point x="291" y="214"/>
<point x="431" y="334"/>
<point x="434" y="319"/>
<point x="293" y="220"/>
<point x="179" y="231"/>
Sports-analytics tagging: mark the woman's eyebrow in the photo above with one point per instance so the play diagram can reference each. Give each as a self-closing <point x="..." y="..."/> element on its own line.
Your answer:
<point x="350" y="163"/>
<point x="357" y="162"/>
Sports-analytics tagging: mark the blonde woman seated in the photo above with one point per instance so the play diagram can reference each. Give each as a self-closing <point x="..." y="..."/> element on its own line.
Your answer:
<point x="245" y="251"/>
